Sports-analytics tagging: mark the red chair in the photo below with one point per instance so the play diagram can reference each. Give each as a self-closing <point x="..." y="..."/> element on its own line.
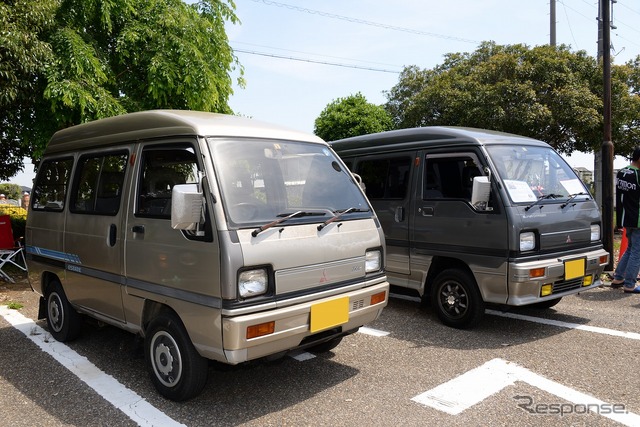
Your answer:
<point x="10" y="250"/>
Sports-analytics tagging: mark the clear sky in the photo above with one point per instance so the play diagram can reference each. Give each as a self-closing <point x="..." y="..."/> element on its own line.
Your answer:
<point x="299" y="56"/>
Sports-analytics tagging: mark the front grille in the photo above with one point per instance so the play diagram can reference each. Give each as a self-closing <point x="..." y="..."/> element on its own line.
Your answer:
<point x="356" y="305"/>
<point x="567" y="285"/>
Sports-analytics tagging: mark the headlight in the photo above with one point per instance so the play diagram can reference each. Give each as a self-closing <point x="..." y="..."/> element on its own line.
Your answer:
<point x="595" y="232"/>
<point x="372" y="261"/>
<point x="253" y="282"/>
<point x="527" y="241"/>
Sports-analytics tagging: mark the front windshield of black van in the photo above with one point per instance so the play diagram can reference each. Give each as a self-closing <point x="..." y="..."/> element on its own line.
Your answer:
<point x="530" y="173"/>
<point x="264" y="180"/>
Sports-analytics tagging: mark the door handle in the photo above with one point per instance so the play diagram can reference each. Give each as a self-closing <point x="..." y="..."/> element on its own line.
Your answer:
<point x="426" y="210"/>
<point x="113" y="234"/>
<point x="399" y="216"/>
<point x="138" y="229"/>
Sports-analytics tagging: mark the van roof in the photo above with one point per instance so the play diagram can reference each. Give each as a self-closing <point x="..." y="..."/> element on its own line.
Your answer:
<point x="163" y="123"/>
<point x="433" y="135"/>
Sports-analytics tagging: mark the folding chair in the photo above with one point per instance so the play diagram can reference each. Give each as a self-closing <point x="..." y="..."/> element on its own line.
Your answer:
<point x="10" y="250"/>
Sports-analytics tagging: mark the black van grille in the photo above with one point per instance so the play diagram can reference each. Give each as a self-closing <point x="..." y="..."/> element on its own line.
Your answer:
<point x="567" y="285"/>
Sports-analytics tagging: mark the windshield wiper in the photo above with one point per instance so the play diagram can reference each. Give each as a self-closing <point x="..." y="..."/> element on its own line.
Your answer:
<point x="337" y="216"/>
<point x="548" y="196"/>
<point x="259" y="230"/>
<point x="571" y="198"/>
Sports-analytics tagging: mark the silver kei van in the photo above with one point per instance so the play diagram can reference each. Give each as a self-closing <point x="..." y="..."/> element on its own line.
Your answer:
<point x="473" y="217"/>
<point x="211" y="236"/>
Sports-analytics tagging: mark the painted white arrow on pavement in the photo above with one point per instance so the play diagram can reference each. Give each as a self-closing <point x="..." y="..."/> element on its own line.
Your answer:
<point x="474" y="386"/>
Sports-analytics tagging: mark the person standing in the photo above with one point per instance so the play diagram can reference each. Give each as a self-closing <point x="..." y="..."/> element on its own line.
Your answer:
<point x="25" y="200"/>
<point x="628" y="217"/>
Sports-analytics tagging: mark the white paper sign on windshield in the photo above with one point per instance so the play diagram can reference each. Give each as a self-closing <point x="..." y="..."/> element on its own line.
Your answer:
<point x="573" y="186"/>
<point x="519" y="191"/>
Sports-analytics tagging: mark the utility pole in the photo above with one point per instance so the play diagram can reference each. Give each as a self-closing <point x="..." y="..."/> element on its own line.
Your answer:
<point x="552" y="30"/>
<point x="606" y="166"/>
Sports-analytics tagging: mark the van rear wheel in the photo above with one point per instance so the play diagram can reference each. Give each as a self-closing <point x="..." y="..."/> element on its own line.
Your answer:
<point x="456" y="299"/>
<point x="176" y="368"/>
<point x="63" y="321"/>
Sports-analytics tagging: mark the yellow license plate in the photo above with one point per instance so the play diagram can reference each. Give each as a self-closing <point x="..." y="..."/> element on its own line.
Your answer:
<point x="328" y="314"/>
<point x="573" y="269"/>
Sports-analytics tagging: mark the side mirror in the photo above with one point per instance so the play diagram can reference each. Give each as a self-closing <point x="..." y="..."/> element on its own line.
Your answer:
<point x="480" y="193"/>
<point x="186" y="206"/>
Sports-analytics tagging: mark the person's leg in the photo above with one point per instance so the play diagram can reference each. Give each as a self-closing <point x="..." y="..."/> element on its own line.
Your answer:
<point x="619" y="273"/>
<point x="633" y="260"/>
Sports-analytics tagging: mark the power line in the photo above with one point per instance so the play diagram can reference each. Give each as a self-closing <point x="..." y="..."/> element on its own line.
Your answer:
<point x="362" y="21"/>
<point x="315" y="54"/>
<point x="335" y="64"/>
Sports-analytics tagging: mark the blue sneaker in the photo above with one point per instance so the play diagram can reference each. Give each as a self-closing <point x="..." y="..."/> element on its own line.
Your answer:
<point x="635" y="290"/>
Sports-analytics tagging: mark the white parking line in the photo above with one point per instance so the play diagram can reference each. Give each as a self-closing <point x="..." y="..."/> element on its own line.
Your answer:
<point x="133" y="405"/>
<point x="596" y="329"/>
<point x="476" y="385"/>
<point x="557" y="323"/>
<point x="373" y="332"/>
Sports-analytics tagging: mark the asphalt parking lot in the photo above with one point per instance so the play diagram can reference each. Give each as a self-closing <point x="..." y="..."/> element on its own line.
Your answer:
<point x="574" y="364"/>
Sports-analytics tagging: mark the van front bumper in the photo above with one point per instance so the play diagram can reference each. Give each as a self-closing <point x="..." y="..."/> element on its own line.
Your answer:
<point x="293" y="324"/>
<point x="558" y="277"/>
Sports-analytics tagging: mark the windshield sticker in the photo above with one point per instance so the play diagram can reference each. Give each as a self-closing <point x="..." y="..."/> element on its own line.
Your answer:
<point x="573" y="186"/>
<point x="519" y="191"/>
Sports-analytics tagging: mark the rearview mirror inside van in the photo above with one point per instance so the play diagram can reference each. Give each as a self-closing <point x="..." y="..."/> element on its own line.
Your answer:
<point x="186" y="206"/>
<point x="480" y="192"/>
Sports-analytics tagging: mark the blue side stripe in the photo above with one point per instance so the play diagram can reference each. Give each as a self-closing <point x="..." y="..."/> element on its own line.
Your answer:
<point x="50" y="253"/>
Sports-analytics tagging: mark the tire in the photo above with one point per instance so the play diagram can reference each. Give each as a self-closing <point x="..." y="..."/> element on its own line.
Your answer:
<point x="177" y="370"/>
<point x="546" y="304"/>
<point x="456" y="299"/>
<point x="326" y="346"/>
<point x="63" y="321"/>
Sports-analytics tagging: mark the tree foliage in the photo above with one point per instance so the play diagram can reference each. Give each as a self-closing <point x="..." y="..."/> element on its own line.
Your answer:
<point x="545" y="92"/>
<point x="351" y="116"/>
<point x="90" y="59"/>
<point x="24" y="55"/>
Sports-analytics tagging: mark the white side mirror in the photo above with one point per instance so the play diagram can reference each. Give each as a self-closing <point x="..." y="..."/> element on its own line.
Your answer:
<point x="186" y="206"/>
<point x="480" y="192"/>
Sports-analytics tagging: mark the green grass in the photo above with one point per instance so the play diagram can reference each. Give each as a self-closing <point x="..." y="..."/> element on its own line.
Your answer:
<point x="14" y="305"/>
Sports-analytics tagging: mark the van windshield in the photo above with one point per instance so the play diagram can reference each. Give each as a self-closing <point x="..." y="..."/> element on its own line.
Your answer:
<point x="262" y="180"/>
<point x="530" y="173"/>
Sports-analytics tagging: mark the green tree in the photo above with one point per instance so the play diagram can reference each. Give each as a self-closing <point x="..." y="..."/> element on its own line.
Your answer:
<point x="107" y="57"/>
<point x="24" y="56"/>
<point x="11" y="191"/>
<point x="545" y="92"/>
<point x="351" y="116"/>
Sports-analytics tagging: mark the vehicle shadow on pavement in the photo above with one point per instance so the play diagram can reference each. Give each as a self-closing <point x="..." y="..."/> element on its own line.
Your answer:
<point x="411" y="320"/>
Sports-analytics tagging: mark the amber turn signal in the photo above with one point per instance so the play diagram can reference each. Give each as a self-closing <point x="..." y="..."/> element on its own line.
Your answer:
<point x="378" y="298"/>
<point x="255" y="331"/>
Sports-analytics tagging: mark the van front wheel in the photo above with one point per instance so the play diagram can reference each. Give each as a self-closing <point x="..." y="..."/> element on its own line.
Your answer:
<point x="63" y="321"/>
<point x="456" y="299"/>
<point x="177" y="370"/>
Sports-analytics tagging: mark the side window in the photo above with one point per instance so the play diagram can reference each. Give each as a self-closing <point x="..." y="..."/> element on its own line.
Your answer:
<point x="386" y="178"/>
<point x="162" y="168"/>
<point x="449" y="177"/>
<point x="98" y="184"/>
<point x="51" y="186"/>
